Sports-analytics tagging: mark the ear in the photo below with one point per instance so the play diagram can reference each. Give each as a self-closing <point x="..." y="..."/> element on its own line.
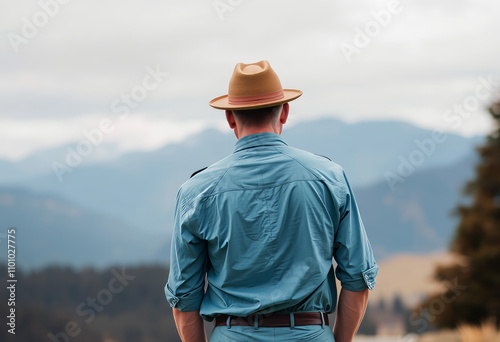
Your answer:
<point x="230" y="119"/>
<point x="284" y="113"/>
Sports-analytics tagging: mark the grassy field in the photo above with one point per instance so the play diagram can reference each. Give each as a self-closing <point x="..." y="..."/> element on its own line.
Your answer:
<point x="466" y="333"/>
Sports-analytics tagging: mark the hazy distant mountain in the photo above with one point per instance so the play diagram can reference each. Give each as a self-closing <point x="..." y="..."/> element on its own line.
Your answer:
<point x="140" y="188"/>
<point x="368" y="149"/>
<point x="416" y="217"/>
<point x="51" y="230"/>
<point x="39" y="163"/>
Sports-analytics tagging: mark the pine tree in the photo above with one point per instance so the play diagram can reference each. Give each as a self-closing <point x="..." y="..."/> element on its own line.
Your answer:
<point x="472" y="292"/>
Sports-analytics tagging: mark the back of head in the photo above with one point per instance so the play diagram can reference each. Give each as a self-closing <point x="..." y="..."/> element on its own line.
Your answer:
<point x="258" y="117"/>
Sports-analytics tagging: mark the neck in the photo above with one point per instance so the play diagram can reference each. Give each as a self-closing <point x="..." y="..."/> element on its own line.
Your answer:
<point x="243" y="132"/>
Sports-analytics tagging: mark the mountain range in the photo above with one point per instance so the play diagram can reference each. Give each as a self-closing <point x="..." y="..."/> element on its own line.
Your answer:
<point x="119" y="210"/>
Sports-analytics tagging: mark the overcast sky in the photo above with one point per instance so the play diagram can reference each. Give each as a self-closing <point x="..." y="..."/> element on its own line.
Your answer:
<point x="66" y="71"/>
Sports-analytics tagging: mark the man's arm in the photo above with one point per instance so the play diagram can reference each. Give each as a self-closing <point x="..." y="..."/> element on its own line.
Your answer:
<point x="356" y="267"/>
<point x="350" y="311"/>
<point x="188" y="266"/>
<point x="190" y="326"/>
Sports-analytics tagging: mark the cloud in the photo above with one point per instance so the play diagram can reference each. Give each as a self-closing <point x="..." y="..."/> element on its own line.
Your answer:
<point x="90" y="52"/>
<point x="141" y="131"/>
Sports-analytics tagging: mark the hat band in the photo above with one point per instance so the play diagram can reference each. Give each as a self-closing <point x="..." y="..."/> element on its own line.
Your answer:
<point x="256" y="99"/>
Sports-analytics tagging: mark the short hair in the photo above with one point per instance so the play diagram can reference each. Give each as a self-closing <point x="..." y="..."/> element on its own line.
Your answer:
<point x="258" y="117"/>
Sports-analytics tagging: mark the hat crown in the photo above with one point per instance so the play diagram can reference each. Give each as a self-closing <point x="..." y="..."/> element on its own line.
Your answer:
<point x="253" y="86"/>
<point x="254" y="79"/>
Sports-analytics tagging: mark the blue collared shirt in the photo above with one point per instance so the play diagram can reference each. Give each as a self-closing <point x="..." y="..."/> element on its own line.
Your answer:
<point x="262" y="226"/>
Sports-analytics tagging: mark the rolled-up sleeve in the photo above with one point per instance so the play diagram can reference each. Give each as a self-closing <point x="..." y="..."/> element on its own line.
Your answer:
<point x="356" y="267"/>
<point x="185" y="287"/>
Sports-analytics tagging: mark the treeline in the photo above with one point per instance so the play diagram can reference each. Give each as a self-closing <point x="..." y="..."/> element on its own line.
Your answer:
<point x="87" y="305"/>
<point x="386" y="317"/>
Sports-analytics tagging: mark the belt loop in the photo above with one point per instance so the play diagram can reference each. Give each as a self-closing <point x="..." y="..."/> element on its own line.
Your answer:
<point x="256" y="322"/>
<point x="322" y="320"/>
<point x="292" y="321"/>
<point x="228" y="322"/>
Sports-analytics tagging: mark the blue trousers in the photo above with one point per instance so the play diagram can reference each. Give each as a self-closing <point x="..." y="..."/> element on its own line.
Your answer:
<point x="316" y="333"/>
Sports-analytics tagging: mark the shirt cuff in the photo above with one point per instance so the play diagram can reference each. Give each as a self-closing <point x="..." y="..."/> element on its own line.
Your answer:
<point x="360" y="284"/>
<point x="190" y="301"/>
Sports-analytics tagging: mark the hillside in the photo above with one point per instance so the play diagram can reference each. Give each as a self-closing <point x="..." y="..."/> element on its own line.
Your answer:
<point x="417" y="216"/>
<point x="409" y="276"/>
<point x="53" y="231"/>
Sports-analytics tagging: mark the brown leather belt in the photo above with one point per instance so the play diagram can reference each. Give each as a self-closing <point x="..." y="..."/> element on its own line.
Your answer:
<point x="275" y="320"/>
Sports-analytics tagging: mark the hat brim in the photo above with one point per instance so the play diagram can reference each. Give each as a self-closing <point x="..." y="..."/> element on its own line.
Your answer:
<point x="222" y="102"/>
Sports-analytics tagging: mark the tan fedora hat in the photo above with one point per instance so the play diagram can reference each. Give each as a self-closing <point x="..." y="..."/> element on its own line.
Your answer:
<point x="253" y="86"/>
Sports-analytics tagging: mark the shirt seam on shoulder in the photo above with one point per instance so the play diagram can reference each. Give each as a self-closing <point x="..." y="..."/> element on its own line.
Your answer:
<point x="188" y="202"/>
<point x="221" y="176"/>
<point x="343" y="188"/>
<point x="307" y="169"/>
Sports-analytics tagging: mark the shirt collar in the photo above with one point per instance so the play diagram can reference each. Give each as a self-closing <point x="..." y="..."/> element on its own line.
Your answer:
<point x="258" y="139"/>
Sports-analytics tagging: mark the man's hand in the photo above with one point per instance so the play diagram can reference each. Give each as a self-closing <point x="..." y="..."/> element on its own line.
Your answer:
<point x="350" y="311"/>
<point x="190" y="326"/>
